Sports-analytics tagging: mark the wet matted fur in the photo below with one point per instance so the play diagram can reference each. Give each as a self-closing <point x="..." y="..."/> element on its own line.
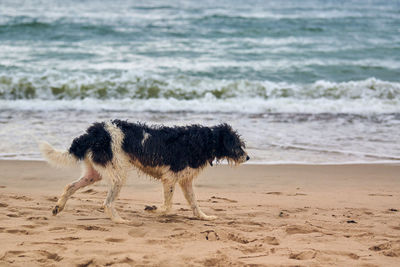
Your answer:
<point x="170" y="154"/>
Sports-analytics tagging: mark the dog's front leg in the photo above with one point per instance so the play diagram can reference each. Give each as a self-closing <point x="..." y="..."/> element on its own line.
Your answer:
<point x="169" y="189"/>
<point x="187" y="188"/>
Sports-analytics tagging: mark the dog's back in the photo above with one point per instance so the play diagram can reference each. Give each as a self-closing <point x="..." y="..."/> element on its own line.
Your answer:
<point x="178" y="147"/>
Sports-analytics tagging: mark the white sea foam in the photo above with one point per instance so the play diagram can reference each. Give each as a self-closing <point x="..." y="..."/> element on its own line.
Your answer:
<point x="211" y="104"/>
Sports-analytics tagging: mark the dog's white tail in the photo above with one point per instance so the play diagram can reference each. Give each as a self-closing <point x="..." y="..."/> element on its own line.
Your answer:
<point x="57" y="158"/>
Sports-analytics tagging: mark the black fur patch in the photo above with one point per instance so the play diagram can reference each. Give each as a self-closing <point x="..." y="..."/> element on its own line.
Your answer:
<point x="179" y="147"/>
<point x="96" y="139"/>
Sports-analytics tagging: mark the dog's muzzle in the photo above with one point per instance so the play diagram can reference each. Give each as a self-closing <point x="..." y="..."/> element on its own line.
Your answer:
<point x="243" y="159"/>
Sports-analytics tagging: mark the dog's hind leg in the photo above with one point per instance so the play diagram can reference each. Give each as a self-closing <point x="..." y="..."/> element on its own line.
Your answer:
<point x="89" y="176"/>
<point x="109" y="207"/>
<point x="117" y="180"/>
<point x="187" y="188"/>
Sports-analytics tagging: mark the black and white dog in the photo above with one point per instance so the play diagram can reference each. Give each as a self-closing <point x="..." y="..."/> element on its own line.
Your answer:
<point x="170" y="154"/>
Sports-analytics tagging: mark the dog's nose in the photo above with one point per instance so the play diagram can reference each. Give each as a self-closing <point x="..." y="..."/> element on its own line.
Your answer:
<point x="247" y="158"/>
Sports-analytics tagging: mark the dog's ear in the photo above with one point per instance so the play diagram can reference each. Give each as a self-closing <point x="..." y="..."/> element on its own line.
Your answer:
<point x="225" y="138"/>
<point x="229" y="141"/>
<point x="228" y="138"/>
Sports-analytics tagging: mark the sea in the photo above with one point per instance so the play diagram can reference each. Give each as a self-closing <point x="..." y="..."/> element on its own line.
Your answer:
<point x="308" y="82"/>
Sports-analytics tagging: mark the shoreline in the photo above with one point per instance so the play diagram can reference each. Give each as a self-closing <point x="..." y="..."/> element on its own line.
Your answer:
<point x="264" y="163"/>
<point x="268" y="215"/>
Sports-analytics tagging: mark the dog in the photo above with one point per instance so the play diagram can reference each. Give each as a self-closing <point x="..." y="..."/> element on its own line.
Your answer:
<point x="170" y="154"/>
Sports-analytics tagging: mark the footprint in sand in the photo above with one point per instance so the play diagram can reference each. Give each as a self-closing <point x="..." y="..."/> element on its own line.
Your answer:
<point x="68" y="238"/>
<point x="115" y="240"/>
<point x="271" y="240"/>
<point x="297" y="229"/>
<point x="125" y="260"/>
<point x="21" y="198"/>
<point x="183" y="209"/>
<point x="223" y="198"/>
<point x="38" y="218"/>
<point x="251" y="250"/>
<point x="380" y="247"/>
<point x="52" y="199"/>
<point x="184" y="234"/>
<point x="304" y="255"/>
<point x="390" y="249"/>
<point x="157" y="241"/>
<point x="30" y="226"/>
<point x="274" y="193"/>
<point x="352" y="256"/>
<point x="86" y="263"/>
<point x="170" y="220"/>
<point x="240" y="239"/>
<point x="92" y="228"/>
<point x="137" y="233"/>
<point x="18" y="231"/>
<point x="296" y="194"/>
<point x="8" y="255"/>
<point x="57" y="228"/>
<point x="392" y="253"/>
<point x="49" y="255"/>
<point x="210" y="235"/>
<point x="253" y="223"/>
<point x="218" y="260"/>
<point x="216" y="209"/>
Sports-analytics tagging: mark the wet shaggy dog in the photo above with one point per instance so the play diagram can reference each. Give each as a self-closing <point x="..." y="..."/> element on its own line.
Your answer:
<point x="170" y="154"/>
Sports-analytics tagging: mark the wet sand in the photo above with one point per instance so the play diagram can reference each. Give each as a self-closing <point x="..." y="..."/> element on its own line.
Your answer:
<point x="278" y="215"/>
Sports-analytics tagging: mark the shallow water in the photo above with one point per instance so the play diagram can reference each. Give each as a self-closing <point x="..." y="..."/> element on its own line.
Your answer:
<point x="270" y="138"/>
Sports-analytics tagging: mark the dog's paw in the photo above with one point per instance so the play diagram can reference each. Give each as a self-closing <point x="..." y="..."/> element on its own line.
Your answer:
<point x="56" y="210"/>
<point x="163" y="210"/>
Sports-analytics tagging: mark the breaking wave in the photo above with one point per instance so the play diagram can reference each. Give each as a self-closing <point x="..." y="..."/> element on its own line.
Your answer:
<point x="49" y="88"/>
<point x="197" y="95"/>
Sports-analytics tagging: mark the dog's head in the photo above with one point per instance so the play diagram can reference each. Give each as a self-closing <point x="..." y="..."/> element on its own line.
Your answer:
<point x="229" y="145"/>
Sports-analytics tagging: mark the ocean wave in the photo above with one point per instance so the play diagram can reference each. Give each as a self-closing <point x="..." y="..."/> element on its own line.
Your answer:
<point x="32" y="24"/>
<point x="60" y="29"/>
<point x="127" y="86"/>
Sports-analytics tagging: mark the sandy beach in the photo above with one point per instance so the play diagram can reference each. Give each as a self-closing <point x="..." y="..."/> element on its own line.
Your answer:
<point x="277" y="215"/>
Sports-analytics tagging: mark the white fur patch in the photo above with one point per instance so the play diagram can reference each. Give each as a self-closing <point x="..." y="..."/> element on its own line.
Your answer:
<point x="57" y="158"/>
<point x="117" y="169"/>
<point x="145" y="137"/>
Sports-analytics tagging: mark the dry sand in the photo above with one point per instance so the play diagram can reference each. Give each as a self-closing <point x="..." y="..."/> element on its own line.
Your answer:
<point x="286" y="215"/>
